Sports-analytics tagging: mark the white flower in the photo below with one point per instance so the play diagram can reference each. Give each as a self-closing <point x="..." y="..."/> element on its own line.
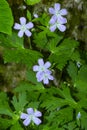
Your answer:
<point x="44" y="76"/>
<point x="57" y="20"/>
<point x="58" y="23"/>
<point x="23" y="27"/>
<point x="31" y="116"/>
<point x="43" y="72"/>
<point x="56" y="11"/>
<point x="42" y="66"/>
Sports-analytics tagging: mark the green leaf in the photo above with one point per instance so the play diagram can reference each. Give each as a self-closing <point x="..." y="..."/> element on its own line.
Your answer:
<point x="4" y="101"/>
<point x="16" y="126"/>
<point x="6" y="18"/>
<point x="63" y="53"/>
<point x="71" y="126"/>
<point x="5" y="111"/>
<point x="75" y="56"/>
<point x="24" y="56"/>
<point x="81" y="79"/>
<point x="68" y="98"/>
<point x="12" y="41"/>
<point x="44" y="20"/>
<point x="31" y="76"/>
<point x="29" y="15"/>
<point x="32" y="2"/>
<point x="19" y="102"/>
<point x="5" y="123"/>
<point x="40" y="39"/>
<point x="72" y="71"/>
<point x="53" y="42"/>
<point x="24" y="86"/>
<point x="33" y="104"/>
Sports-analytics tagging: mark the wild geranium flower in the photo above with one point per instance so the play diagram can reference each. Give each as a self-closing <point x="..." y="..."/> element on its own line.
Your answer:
<point x="44" y="76"/>
<point x="23" y="27"/>
<point x="56" y="11"/>
<point x="43" y="72"/>
<point x="57" y="20"/>
<point x="42" y="66"/>
<point x="31" y="116"/>
<point x="58" y="23"/>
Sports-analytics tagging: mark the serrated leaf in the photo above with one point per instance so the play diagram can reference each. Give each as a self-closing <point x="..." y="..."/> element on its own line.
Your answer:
<point x="19" y="102"/>
<point x="24" y="86"/>
<point x="6" y="18"/>
<point x="53" y="42"/>
<point x="23" y="56"/>
<point x="42" y="38"/>
<point x="63" y="53"/>
<point x="66" y="94"/>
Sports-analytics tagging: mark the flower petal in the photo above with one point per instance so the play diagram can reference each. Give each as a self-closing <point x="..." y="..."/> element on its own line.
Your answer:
<point x="23" y="116"/>
<point x="28" y="33"/>
<point x="38" y="114"/>
<point x="35" y="68"/>
<point x="20" y="33"/>
<point x="30" y="111"/>
<point x="23" y="20"/>
<point x="57" y="6"/>
<point x="27" y="121"/>
<point x="51" y="11"/>
<point x="47" y="64"/>
<point x="53" y="19"/>
<point x="41" y="62"/>
<point x="51" y="77"/>
<point x="39" y="76"/>
<point x="62" y="28"/>
<point x="53" y="28"/>
<point x="29" y="25"/>
<point x="17" y="26"/>
<point x="61" y="20"/>
<point x="36" y="120"/>
<point x="63" y="12"/>
<point x="45" y="80"/>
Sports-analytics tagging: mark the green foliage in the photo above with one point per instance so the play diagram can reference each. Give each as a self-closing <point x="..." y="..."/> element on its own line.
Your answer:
<point x="4" y="101"/>
<point x="21" y="56"/>
<point x="15" y="126"/>
<point x="25" y="86"/>
<point x="81" y="79"/>
<point x="47" y="40"/>
<point x="61" y="54"/>
<point x="5" y="123"/>
<point x="72" y="71"/>
<point x="32" y="2"/>
<point x="20" y="102"/>
<point x="6" y="18"/>
<point x="28" y="15"/>
<point x="12" y="41"/>
<point x="63" y="98"/>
